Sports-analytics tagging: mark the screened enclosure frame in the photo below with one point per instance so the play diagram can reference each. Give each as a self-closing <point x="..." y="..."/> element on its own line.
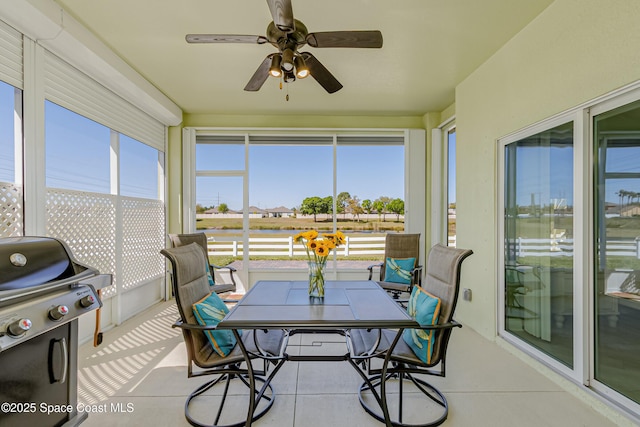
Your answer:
<point x="413" y="141"/>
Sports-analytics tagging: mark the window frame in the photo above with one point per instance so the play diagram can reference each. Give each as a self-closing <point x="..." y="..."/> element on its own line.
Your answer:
<point x="440" y="180"/>
<point x="414" y="161"/>
<point x="580" y="309"/>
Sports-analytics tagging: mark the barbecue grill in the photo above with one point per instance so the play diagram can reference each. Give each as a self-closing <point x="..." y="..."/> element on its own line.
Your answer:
<point x="43" y="291"/>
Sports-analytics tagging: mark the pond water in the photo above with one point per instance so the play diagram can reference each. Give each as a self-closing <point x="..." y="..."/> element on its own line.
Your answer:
<point x="283" y="232"/>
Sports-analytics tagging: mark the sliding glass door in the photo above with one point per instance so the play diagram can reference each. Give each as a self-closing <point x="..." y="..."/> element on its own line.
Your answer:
<point x="570" y="270"/>
<point x="617" y="248"/>
<point x="538" y="253"/>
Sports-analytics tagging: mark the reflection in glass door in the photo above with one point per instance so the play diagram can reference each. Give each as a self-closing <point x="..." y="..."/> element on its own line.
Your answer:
<point x="617" y="251"/>
<point x="538" y="251"/>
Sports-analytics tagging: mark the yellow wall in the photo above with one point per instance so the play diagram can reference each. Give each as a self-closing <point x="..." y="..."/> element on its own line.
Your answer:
<point x="311" y="121"/>
<point x="573" y="52"/>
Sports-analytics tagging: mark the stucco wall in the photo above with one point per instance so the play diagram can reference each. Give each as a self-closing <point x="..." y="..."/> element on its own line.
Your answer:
<point x="573" y="52"/>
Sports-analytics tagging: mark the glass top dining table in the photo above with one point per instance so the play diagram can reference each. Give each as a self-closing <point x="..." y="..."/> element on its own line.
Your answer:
<point x="346" y="305"/>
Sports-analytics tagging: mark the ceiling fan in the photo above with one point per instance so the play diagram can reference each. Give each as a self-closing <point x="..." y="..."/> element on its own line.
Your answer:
<point x="288" y="35"/>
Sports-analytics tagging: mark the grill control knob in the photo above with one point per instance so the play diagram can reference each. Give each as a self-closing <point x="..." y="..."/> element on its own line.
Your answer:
<point x="87" y="301"/>
<point x="19" y="327"/>
<point x="58" y="312"/>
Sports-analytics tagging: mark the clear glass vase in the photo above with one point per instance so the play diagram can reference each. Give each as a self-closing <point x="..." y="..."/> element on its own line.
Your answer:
<point x="316" y="279"/>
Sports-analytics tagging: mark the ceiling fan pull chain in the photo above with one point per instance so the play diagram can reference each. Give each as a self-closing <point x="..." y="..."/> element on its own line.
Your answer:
<point x="287" y="97"/>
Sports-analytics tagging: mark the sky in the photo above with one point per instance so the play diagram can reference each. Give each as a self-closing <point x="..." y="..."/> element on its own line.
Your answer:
<point x="546" y="173"/>
<point x="286" y="175"/>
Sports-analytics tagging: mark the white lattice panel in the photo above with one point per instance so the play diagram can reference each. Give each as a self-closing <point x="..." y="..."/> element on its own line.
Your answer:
<point x="143" y="238"/>
<point x="11" y="212"/>
<point x="87" y="223"/>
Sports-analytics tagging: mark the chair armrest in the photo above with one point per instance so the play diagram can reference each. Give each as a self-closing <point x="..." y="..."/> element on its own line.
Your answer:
<point x="226" y="267"/>
<point x="416" y="274"/>
<point x="448" y="325"/>
<point x="188" y="326"/>
<point x="371" y="267"/>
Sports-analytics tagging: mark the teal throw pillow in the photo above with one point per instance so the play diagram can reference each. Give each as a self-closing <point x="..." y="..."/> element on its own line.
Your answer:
<point x="209" y="311"/>
<point x="399" y="270"/>
<point x="425" y="309"/>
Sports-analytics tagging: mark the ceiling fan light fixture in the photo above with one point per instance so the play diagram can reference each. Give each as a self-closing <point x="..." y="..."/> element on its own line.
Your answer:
<point x="289" y="77"/>
<point x="275" y="69"/>
<point x="287" y="60"/>
<point x="302" y="70"/>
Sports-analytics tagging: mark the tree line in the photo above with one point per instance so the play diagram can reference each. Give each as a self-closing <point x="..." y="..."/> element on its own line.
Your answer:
<point x="345" y="203"/>
<point x="629" y="196"/>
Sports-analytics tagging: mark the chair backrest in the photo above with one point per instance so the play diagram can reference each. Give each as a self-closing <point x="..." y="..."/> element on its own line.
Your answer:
<point x="442" y="279"/>
<point x="401" y="246"/>
<point x="190" y="284"/>
<point x="184" y="239"/>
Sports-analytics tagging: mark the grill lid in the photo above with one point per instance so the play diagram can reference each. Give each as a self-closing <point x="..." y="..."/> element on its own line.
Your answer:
<point x="28" y="262"/>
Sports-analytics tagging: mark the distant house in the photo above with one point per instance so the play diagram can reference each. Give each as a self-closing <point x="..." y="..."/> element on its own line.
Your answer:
<point x="280" y="212"/>
<point x="255" y="211"/>
<point x="217" y="212"/>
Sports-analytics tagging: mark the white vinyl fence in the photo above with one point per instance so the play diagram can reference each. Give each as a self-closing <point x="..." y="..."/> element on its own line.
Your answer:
<point x="564" y="247"/>
<point x="286" y="247"/>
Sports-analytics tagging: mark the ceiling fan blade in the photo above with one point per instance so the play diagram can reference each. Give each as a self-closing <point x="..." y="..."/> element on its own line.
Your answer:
<point x="225" y="38"/>
<point x="282" y="14"/>
<point x="321" y="74"/>
<point x="260" y="76"/>
<point x="364" y="39"/>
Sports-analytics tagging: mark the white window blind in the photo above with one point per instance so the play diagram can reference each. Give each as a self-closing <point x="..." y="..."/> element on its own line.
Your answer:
<point x="74" y="90"/>
<point x="10" y="55"/>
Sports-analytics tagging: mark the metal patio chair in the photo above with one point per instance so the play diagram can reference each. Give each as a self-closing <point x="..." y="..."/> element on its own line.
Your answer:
<point x="178" y="240"/>
<point x="398" y="247"/>
<point x="190" y="286"/>
<point x="442" y="280"/>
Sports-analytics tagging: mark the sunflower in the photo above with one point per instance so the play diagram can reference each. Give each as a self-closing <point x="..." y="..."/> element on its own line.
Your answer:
<point x="310" y="235"/>
<point x="321" y="249"/>
<point x="319" y="246"/>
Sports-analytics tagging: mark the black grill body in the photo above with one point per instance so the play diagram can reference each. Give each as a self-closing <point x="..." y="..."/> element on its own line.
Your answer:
<point x="43" y="292"/>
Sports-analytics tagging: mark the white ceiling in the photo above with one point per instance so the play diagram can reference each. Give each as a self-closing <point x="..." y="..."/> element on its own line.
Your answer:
<point x="430" y="46"/>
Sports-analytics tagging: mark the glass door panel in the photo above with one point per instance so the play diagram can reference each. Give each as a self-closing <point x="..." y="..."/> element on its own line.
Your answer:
<point x="617" y="240"/>
<point x="539" y="241"/>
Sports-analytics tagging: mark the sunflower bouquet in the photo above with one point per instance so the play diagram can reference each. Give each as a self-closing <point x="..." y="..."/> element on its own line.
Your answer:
<point x="318" y="248"/>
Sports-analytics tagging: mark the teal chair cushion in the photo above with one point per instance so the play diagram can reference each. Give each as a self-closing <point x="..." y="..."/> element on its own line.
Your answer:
<point x="209" y="311"/>
<point x="399" y="270"/>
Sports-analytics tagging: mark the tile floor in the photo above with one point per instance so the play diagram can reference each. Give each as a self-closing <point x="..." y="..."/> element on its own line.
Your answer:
<point x="137" y="377"/>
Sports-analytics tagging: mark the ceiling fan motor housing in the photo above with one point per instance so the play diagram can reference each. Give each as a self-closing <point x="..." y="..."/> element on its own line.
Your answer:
<point x="283" y="40"/>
